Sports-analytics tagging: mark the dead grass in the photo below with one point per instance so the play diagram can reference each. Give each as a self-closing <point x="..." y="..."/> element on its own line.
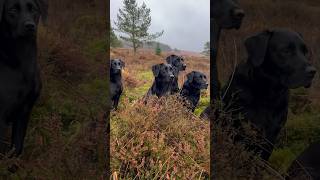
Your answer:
<point x="160" y="140"/>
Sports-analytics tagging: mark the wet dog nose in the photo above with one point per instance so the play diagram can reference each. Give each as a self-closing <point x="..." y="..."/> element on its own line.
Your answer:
<point x="238" y="13"/>
<point x="311" y="70"/>
<point x="29" y="26"/>
<point x="171" y="76"/>
<point x="184" y="66"/>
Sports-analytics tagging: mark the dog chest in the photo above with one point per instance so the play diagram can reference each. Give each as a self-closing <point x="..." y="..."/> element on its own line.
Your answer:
<point x="16" y="88"/>
<point x="115" y="88"/>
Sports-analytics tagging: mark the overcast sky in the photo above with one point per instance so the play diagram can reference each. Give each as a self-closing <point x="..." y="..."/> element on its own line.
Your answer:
<point x="186" y="23"/>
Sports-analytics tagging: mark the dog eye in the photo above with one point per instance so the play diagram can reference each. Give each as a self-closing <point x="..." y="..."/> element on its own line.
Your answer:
<point x="14" y="9"/>
<point x="286" y="51"/>
<point x="205" y="77"/>
<point x="32" y="8"/>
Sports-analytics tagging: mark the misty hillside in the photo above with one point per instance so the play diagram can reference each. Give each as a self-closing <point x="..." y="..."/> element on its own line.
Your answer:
<point x="149" y="45"/>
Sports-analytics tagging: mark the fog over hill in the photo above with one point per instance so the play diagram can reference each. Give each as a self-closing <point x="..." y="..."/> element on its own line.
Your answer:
<point x="149" y="45"/>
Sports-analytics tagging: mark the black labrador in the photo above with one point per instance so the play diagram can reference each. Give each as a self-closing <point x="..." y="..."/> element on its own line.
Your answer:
<point x="196" y="81"/>
<point x="226" y="13"/>
<point x="116" y="87"/>
<point x="307" y="164"/>
<point x="163" y="77"/>
<point x="278" y="60"/>
<point x="19" y="71"/>
<point x="178" y="65"/>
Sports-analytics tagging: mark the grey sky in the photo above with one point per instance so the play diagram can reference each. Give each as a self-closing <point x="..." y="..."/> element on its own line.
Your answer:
<point x="186" y="23"/>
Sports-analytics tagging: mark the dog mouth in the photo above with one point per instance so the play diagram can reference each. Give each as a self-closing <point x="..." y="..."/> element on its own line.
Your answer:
<point x="306" y="82"/>
<point x="116" y="70"/>
<point x="28" y="33"/>
<point x="184" y="67"/>
<point x="204" y="86"/>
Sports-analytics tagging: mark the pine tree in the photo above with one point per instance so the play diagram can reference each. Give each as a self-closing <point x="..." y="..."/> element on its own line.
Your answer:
<point x="158" y="49"/>
<point x="206" y="50"/>
<point x="134" y="21"/>
<point x="114" y="41"/>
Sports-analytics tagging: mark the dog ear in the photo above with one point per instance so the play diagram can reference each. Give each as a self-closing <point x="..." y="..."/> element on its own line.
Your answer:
<point x="169" y="59"/>
<point x="43" y="6"/>
<point x="190" y="77"/>
<point x="123" y="64"/>
<point x="111" y="61"/>
<point x="300" y="34"/>
<point x="257" y="46"/>
<point x="156" y="70"/>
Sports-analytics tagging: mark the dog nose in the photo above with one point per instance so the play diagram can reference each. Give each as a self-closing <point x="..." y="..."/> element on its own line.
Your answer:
<point x="29" y="26"/>
<point x="311" y="70"/>
<point x="171" y="76"/>
<point x="238" y="13"/>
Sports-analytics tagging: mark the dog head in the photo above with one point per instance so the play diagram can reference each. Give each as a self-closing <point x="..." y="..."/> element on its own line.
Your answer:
<point x="20" y="18"/>
<point x="197" y="79"/>
<point x="163" y="72"/>
<point x="283" y="55"/>
<point x="177" y="62"/>
<point x="116" y="66"/>
<point x="227" y="13"/>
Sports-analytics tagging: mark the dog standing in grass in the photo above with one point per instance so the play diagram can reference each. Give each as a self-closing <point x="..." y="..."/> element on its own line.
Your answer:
<point x="116" y="87"/>
<point x="19" y="72"/>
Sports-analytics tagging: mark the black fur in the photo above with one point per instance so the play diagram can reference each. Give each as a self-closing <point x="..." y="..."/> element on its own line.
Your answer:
<point x="19" y="72"/>
<point x="163" y="77"/>
<point x="277" y="61"/>
<point x="178" y="65"/>
<point x="227" y="13"/>
<point x="196" y="81"/>
<point x="116" y="86"/>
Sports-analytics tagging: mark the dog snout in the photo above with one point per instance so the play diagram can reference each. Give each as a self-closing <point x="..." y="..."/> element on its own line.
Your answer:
<point x="238" y="13"/>
<point x="184" y="66"/>
<point x="30" y="26"/>
<point x="311" y="70"/>
<point x="171" y="76"/>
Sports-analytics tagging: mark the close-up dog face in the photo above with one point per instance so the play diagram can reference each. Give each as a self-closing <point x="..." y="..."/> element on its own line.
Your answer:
<point x="227" y="13"/>
<point x="197" y="80"/>
<point x="163" y="71"/>
<point x="284" y="54"/>
<point x="21" y="17"/>
<point x="177" y="61"/>
<point x="117" y="65"/>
